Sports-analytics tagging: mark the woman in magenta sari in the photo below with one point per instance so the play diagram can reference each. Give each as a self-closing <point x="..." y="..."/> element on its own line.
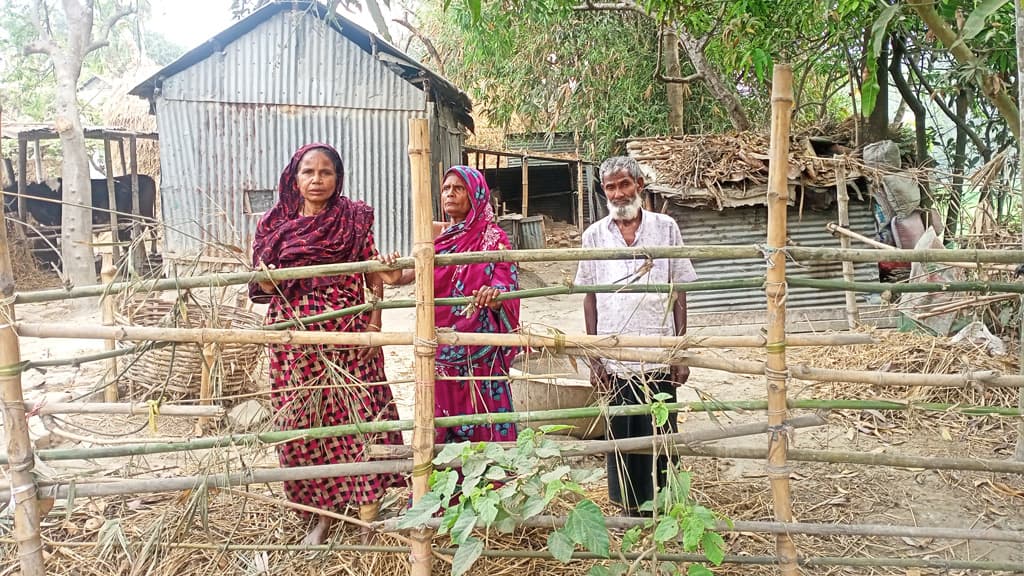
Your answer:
<point x="471" y="227"/>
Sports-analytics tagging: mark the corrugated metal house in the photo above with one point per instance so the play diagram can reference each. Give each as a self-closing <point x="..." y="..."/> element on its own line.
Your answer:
<point x="232" y="112"/>
<point x="715" y="187"/>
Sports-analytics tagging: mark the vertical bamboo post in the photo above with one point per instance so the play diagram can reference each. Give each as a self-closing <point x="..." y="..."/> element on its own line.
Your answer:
<point x="526" y="185"/>
<point x="843" y="205"/>
<point x="37" y="151"/>
<point x="19" y="446"/>
<point x="775" y="290"/>
<point x="137" y="248"/>
<point x="424" y="345"/>
<point x="206" y="384"/>
<point x="121" y="155"/>
<point x="108" y="165"/>
<point x="107" y="274"/>
<point x="581" y="187"/>
<point x="1018" y="10"/>
<point x="22" y="178"/>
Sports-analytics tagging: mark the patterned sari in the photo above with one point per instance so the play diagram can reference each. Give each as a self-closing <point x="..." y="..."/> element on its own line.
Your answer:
<point x="314" y="386"/>
<point x="482" y="393"/>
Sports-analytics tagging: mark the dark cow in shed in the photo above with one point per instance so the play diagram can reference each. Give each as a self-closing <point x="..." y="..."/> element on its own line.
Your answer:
<point x="43" y="200"/>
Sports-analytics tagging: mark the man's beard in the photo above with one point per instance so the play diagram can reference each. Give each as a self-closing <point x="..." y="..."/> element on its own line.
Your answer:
<point x="626" y="212"/>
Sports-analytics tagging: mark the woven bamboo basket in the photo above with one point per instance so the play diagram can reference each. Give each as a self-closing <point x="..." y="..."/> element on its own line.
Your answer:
<point x="175" y="371"/>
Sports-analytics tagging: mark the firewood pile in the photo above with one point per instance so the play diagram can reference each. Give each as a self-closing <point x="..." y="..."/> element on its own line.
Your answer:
<point x="728" y="170"/>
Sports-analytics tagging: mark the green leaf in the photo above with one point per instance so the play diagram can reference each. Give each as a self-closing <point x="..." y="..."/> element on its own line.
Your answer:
<point x="660" y="413"/>
<point x="421" y="511"/>
<point x="668" y="568"/>
<point x="449" y="452"/>
<point x="585" y="476"/>
<point x="599" y="570"/>
<point x="560" y="546"/>
<point x="698" y="570"/>
<point x="487" y="508"/>
<point x="869" y="90"/>
<point x="466" y="555"/>
<point x="693" y="531"/>
<point x="474" y="466"/>
<point x="463" y="528"/>
<point x="448" y="520"/>
<point x="506" y="525"/>
<point x="551" y="428"/>
<point x="630" y="538"/>
<point x="682" y="485"/>
<point x="555" y="474"/>
<point x="976" y="20"/>
<point x="667" y="529"/>
<point x="474" y="9"/>
<point x="548" y="449"/>
<point x="714" y="547"/>
<point x="533" y="507"/>
<point x="495" y="473"/>
<point x="662" y="396"/>
<point x="586" y="527"/>
<point x="552" y="490"/>
<point x="879" y="29"/>
<point x="444" y="483"/>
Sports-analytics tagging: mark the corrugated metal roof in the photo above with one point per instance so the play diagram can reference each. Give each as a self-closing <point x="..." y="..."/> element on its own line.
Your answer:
<point x="748" y="225"/>
<point x="400" y="63"/>
<point x="212" y="153"/>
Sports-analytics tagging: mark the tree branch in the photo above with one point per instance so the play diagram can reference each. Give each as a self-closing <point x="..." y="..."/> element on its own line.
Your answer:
<point x="103" y="37"/>
<point x="979" y="144"/>
<point x="43" y="44"/>
<point x="431" y="49"/>
<point x="896" y="73"/>
<point x="592" y="6"/>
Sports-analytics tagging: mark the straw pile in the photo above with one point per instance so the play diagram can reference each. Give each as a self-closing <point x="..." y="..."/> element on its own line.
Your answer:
<point x="28" y="273"/>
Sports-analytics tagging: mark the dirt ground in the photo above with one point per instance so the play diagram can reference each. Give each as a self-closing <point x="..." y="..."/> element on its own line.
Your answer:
<point x="737" y="488"/>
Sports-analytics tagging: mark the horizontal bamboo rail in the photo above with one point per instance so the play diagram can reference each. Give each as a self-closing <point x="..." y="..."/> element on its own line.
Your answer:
<point x="810" y="561"/>
<point x="901" y="288"/>
<point x="983" y="378"/>
<point x="806" y="528"/>
<point x="798" y="253"/>
<point x="269" y="438"/>
<point x="253" y="336"/>
<point x="663" y="443"/>
<point x="45" y="408"/>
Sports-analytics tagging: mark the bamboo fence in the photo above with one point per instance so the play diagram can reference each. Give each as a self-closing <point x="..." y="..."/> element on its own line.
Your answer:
<point x="778" y="426"/>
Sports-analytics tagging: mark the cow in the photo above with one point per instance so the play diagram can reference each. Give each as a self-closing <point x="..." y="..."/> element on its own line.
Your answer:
<point x="42" y="200"/>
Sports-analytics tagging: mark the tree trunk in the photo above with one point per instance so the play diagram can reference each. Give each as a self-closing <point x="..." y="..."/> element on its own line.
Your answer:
<point x="911" y="100"/>
<point x="959" y="162"/>
<point x="725" y="95"/>
<point x="676" y="90"/>
<point x="878" y="122"/>
<point x="988" y="82"/>
<point x="76" y="221"/>
<point x="378" y="20"/>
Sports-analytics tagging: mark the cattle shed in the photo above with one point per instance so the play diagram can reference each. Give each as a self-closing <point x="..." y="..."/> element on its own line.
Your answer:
<point x="232" y="111"/>
<point x="715" y="186"/>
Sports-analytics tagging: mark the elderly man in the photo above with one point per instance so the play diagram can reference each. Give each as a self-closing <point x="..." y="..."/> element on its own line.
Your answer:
<point x="634" y="478"/>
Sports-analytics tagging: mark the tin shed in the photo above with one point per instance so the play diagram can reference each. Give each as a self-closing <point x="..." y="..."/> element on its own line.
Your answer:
<point x="232" y="111"/>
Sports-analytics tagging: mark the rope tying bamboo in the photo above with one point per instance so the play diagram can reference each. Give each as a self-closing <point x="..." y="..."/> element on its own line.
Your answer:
<point x="13" y="369"/>
<point x="775" y="347"/>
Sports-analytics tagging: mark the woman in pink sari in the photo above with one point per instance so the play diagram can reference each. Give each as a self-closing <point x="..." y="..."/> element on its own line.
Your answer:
<point x="471" y="227"/>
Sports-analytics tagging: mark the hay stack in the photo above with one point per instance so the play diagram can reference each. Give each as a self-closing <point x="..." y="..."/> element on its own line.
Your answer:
<point x="122" y="110"/>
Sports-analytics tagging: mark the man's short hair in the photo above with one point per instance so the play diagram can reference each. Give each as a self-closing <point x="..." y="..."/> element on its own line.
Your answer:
<point x="616" y="163"/>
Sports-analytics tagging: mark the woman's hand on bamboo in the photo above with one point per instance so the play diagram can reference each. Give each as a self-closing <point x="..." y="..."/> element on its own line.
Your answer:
<point x="486" y="296"/>
<point x="394" y="276"/>
<point x="367" y="353"/>
<point x="267" y="286"/>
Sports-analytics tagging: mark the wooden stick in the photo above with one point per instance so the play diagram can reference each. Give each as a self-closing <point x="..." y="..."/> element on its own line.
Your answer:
<point x="775" y="291"/>
<point x="425" y="345"/>
<point x="19" y="446"/>
<point x="843" y="205"/>
<point x="23" y="178"/>
<point x="206" y="384"/>
<point x="526" y="185"/>
<point x="257" y="336"/>
<point x="540" y="255"/>
<point x="107" y="303"/>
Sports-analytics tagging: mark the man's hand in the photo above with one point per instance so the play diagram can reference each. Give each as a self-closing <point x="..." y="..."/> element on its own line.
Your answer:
<point x="679" y="374"/>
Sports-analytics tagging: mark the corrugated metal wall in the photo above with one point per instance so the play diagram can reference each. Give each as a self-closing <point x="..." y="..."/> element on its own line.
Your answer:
<point x="231" y="122"/>
<point x="748" y="225"/>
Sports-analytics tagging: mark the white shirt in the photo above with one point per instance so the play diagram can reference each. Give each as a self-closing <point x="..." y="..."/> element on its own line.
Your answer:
<point x="642" y="314"/>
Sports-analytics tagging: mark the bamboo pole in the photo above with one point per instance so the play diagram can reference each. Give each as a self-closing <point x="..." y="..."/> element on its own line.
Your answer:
<point x="843" y="231"/>
<point x="1018" y="11"/>
<point x="657" y="444"/>
<point x="206" y="384"/>
<point x="539" y="255"/>
<point x="425" y="346"/>
<point x="843" y="204"/>
<point x="270" y="438"/>
<point x="581" y="191"/>
<point x="23" y="178"/>
<point x="256" y="336"/>
<point x="809" y="528"/>
<point x="137" y="247"/>
<point x="112" y="198"/>
<point x="775" y="292"/>
<point x="19" y="446"/>
<point x="526" y="184"/>
<point x="173" y="410"/>
<point x="109" y="344"/>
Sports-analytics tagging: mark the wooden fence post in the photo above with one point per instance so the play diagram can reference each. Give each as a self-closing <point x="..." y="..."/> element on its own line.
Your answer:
<point x="107" y="274"/>
<point x="843" y="205"/>
<point x="775" y="290"/>
<point x="112" y="200"/>
<point x="19" y="446"/>
<point x="424" y="344"/>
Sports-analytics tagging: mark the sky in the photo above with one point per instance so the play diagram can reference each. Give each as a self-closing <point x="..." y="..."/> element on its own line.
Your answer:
<point x="192" y="22"/>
